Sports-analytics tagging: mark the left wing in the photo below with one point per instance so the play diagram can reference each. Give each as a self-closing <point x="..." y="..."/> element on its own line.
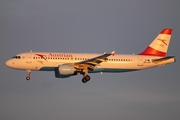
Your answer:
<point x="91" y="63"/>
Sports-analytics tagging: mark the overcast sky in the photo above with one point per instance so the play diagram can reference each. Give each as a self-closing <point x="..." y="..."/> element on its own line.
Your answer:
<point x="88" y="26"/>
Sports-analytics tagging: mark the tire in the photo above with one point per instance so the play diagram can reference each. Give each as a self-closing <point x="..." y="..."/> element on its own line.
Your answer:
<point x="87" y="78"/>
<point x="27" y="78"/>
<point x="84" y="80"/>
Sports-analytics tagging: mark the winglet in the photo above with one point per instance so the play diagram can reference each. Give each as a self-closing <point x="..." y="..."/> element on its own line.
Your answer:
<point x="112" y="53"/>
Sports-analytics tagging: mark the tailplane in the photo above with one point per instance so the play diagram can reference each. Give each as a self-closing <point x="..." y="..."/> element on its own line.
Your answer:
<point x="160" y="44"/>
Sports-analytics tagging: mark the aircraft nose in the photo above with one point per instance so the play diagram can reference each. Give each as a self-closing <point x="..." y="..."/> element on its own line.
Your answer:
<point x="9" y="63"/>
<point x="12" y="64"/>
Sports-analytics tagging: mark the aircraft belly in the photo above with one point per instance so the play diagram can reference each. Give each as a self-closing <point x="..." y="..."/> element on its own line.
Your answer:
<point x="115" y="67"/>
<point x="112" y="70"/>
<point x="122" y="65"/>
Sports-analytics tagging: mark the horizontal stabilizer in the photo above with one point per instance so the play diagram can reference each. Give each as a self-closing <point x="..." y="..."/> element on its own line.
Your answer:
<point x="162" y="59"/>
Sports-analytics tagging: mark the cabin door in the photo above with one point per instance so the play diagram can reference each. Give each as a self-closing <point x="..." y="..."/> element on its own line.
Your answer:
<point x="29" y="57"/>
<point x="140" y="61"/>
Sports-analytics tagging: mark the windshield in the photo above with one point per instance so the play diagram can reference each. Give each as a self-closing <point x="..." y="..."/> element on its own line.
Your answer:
<point x="16" y="57"/>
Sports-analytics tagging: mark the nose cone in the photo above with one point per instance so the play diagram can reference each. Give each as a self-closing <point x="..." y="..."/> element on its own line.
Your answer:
<point x="8" y="63"/>
<point x="11" y="64"/>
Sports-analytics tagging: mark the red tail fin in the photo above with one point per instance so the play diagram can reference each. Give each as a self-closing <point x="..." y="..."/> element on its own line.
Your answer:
<point x="160" y="44"/>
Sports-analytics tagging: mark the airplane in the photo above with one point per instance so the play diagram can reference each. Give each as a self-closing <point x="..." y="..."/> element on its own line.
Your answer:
<point x="66" y="65"/>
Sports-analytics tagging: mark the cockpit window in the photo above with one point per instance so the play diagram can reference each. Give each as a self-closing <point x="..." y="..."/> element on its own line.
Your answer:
<point x="16" y="57"/>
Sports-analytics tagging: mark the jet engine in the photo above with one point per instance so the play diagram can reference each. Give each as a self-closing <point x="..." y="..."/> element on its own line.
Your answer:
<point x="66" y="70"/>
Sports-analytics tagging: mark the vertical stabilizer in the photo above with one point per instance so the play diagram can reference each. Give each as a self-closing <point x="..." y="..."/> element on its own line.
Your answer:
<point x="160" y="44"/>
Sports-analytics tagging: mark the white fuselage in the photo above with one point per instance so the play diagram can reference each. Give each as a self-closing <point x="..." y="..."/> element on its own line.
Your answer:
<point x="69" y="64"/>
<point x="47" y="61"/>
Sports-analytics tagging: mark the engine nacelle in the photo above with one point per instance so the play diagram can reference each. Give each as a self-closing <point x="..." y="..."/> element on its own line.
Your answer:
<point x="66" y="70"/>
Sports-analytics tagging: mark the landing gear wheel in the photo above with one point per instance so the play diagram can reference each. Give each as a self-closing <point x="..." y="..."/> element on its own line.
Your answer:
<point x="27" y="78"/>
<point x="86" y="78"/>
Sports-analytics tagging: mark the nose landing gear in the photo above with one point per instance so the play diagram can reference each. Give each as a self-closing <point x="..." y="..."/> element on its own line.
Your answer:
<point x="29" y="73"/>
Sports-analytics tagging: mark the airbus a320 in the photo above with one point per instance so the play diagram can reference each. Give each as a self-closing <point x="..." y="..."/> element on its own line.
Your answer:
<point x="66" y="65"/>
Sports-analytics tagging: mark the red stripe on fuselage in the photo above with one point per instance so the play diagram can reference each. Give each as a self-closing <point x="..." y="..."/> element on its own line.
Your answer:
<point x="152" y="52"/>
<point x="167" y="31"/>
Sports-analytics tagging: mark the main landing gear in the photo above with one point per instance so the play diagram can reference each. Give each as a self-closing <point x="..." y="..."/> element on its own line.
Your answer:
<point x="29" y="73"/>
<point x="86" y="78"/>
